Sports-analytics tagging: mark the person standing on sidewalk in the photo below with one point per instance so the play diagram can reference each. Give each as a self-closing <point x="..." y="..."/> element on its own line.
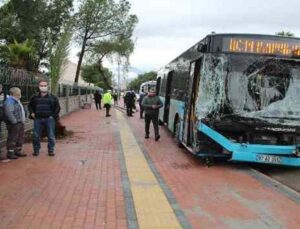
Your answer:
<point x="130" y="100"/>
<point x="152" y="103"/>
<point x="98" y="97"/>
<point x="2" y="97"/>
<point x="107" y="101"/>
<point x="44" y="109"/>
<point x="14" y="116"/>
<point x="142" y="96"/>
<point x="115" y="97"/>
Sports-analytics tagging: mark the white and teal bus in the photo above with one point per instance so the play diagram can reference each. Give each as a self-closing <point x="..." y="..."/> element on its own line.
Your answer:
<point x="236" y="96"/>
<point x="146" y="86"/>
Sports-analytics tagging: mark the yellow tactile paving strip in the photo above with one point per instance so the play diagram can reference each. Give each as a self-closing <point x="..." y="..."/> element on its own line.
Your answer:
<point x="151" y="205"/>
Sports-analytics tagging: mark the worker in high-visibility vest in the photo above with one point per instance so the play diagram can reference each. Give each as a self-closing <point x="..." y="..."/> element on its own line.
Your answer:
<point x="107" y="101"/>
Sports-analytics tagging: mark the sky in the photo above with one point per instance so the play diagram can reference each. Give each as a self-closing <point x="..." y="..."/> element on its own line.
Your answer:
<point x="167" y="28"/>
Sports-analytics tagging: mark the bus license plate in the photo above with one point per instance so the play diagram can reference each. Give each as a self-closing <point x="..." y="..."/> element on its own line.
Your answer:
<point x="268" y="159"/>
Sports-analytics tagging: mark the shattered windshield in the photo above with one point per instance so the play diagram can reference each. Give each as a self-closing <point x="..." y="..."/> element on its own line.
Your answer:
<point x="250" y="86"/>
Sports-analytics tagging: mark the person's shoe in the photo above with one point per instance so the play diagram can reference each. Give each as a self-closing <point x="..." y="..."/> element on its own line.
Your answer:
<point x="157" y="137"/>
<point x="147" y="136"/>
<point x="20" y="154"/>
<point x="35" y="154"/>
<point x="51" y="153"/>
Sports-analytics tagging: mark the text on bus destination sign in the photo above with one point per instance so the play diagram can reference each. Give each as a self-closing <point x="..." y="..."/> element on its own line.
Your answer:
<point x="262" y="46"/>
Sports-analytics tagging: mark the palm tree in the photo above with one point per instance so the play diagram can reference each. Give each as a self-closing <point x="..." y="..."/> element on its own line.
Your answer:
<point x="19" y="55"/>
<point x="59" y="55"/>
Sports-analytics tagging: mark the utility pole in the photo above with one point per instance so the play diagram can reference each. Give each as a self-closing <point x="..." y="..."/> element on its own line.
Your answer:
<point x="119" y="78"/>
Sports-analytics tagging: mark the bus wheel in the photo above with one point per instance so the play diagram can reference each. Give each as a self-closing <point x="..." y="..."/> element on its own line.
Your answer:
<point x="177" y="132"/>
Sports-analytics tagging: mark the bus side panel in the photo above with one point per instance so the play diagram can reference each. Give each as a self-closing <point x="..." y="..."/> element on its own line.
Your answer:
<point x="161" y="110"/>
<point x="176" y="107"/>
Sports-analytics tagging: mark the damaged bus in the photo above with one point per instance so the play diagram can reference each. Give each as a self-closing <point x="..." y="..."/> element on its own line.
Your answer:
<point x="235" y="96"/>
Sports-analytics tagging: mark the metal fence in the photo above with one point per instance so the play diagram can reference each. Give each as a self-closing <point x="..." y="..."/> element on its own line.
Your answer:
<point x="28" y="83"/>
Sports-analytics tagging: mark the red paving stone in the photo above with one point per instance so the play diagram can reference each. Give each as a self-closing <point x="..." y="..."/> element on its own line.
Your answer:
<point x="222" y="196"/>
<point x="78" y="188"/>
<point x="81" y="186"/>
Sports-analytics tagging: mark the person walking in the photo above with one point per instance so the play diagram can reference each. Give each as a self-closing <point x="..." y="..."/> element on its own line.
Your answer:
<point x="107" y="101"/>
<point x="115" y="97"/>
<point x="142" y="96"/>
<point x="130" y="100"/>
<point x="98" y="98"/>
<point x="14" y="116"/>
<point x="44" y="109"/>
<point x="151" y="104"/>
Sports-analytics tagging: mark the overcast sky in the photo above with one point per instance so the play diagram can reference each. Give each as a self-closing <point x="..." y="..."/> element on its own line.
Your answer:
<point x="166" y="28"/>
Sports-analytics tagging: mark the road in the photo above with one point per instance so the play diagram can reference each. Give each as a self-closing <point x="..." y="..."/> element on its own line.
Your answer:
<point x="285" y="175"/>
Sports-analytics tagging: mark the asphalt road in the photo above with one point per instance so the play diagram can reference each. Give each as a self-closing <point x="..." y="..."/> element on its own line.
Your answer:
<point x="285" y="175"/>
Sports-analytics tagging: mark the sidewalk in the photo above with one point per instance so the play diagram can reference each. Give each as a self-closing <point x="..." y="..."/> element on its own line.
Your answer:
<point x="78" y="188"/>
<point x="108" y="176"/>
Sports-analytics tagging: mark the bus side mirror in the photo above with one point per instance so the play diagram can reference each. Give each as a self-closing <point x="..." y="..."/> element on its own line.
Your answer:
<point x="202" y="48"/>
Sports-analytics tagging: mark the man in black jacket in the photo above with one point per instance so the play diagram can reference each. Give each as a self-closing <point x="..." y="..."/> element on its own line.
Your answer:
<point x="2" y="158"/>
<point x="98" y="98"/>
<point x="44" y="108"/>
<point x="130" y="102"/>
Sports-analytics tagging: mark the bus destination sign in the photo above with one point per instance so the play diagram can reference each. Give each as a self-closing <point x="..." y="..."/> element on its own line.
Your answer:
<point x="278" y="47"/>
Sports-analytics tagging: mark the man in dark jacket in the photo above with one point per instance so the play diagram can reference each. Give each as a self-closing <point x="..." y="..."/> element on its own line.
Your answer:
<point x="44" y="109"/>
<point x="14" y="116"/>
<point x="98" y="97"/>
<point x="152" y="103"/>
<point x="130" y="100"/>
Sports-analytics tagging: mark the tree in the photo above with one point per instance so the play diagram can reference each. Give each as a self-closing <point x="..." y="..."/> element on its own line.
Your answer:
<point x="136" y="83"/>
<point x="59" y="54"/>
<point x="102" y="20"/>
<point x="121" y="47"/>
<point x="41" y="21"/>
<point x="97" y="75"/>
<point x="285" y="34"/>
<point x="19" y="55"/>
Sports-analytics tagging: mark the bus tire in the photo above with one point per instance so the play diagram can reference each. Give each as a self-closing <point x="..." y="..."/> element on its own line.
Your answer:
<point x="176" y="133"/>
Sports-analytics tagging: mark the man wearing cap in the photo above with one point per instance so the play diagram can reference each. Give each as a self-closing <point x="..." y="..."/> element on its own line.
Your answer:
<point x="151" y="104"/>
<point x="107" y="101"/>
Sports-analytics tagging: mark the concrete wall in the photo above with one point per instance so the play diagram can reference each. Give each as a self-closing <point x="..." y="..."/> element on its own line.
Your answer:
<point x="67" y="104"/>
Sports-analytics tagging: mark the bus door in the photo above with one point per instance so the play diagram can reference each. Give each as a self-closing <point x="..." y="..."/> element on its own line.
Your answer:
<point x="190" y="106"/>
<point x="158" y="85"/>
<point x="168" y="97"/>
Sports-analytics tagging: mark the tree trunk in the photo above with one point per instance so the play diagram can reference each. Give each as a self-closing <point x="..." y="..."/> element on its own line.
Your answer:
<point x="80" y="61"/>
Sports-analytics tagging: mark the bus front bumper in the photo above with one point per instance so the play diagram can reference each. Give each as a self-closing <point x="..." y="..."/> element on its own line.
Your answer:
<point x="287" y="155"/>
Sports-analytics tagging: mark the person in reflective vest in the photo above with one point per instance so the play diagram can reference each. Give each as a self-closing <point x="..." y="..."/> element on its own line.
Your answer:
<point x="107" y="101"/>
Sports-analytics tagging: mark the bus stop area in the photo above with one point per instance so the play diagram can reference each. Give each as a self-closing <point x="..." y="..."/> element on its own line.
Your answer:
<point x="107" y="175"/>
